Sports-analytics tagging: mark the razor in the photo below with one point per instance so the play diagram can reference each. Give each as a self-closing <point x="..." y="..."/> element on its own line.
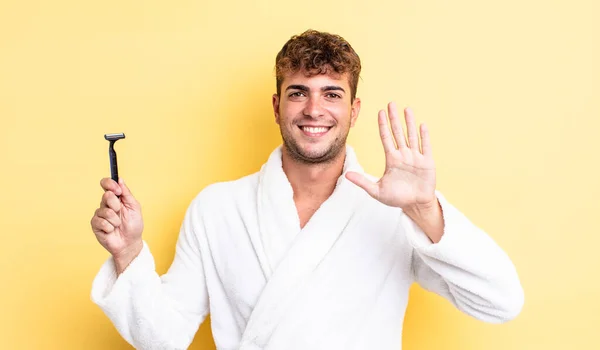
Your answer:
<point x="112" y="138"/>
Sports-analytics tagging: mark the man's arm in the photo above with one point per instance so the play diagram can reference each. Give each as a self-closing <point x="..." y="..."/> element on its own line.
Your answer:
<point x="466" y="267"/>
<point x="451" y="256"/>
<point x="157" y="312"/>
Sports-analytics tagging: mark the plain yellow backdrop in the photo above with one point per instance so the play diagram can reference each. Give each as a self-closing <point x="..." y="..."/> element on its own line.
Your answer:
<point x="510" y="91"/>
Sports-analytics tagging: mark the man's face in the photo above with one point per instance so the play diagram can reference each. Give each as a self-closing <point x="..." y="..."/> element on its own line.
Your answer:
<point x="315" y="115"/>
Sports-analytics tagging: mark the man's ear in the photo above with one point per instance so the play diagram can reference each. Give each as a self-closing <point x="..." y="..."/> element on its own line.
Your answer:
<point x="354" y="111"/>
<point x="276" y="107"/>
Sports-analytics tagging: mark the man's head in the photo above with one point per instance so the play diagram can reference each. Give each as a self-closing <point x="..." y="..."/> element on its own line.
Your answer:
<point x="315" y="105"/>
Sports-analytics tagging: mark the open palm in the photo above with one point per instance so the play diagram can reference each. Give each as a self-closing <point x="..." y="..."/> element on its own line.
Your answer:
<point x="409" y="178"/>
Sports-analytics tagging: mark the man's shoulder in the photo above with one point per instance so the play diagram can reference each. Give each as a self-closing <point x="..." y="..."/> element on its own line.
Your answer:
<point x="228" y="192"/>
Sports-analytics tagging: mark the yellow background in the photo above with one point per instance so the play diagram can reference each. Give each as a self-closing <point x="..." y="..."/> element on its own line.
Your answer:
<point x="510" y="91"/>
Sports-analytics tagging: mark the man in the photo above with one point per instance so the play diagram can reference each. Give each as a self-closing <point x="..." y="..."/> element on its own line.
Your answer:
<point x="309" y="252"/>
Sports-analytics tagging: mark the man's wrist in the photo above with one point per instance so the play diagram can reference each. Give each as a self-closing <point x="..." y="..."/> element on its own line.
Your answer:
<point x="429" y="218"/>
<point x="124" y="259"/>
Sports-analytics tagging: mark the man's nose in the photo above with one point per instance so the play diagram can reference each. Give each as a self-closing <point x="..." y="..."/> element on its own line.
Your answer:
<point x="313" y="107"/>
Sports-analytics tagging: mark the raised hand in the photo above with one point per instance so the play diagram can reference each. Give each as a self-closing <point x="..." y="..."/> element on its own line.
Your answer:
<point x="409" y="178"/>
<point x="118" y="223"/>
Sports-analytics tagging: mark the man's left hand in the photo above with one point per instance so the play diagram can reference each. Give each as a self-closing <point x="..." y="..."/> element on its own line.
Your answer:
<point x="409" y="178"/>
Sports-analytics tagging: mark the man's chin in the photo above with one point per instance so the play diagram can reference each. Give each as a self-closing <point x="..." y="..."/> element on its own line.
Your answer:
<point x="314" y="156"/>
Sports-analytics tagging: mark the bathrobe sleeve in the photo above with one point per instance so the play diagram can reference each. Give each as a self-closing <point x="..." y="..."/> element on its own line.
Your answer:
<point x="157" y="312"/>
<point x="466" y="267"/>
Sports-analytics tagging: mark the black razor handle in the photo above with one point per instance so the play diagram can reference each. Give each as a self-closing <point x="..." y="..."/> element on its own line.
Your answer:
<point x="114" y="170"/>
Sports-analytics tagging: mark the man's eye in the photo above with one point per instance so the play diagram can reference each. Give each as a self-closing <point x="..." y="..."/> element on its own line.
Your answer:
<point x="297" y="94"/>
<point x="332" y="95"/>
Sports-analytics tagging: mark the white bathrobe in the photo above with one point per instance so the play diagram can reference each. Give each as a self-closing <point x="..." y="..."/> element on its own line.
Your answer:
<point x="341" y="282"/>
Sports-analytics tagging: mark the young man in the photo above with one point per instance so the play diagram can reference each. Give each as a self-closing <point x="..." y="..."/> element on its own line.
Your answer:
<point x="309" y="252"/>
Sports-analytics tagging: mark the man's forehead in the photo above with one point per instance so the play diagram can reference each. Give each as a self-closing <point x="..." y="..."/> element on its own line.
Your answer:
<point x="306" y="78"/>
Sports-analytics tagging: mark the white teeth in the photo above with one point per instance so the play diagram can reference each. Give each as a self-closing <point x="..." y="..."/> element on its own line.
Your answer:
<point x="314" y="130"/>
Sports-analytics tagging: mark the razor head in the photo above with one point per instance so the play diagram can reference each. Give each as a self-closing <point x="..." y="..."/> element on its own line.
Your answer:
<point x="114" y="137"/>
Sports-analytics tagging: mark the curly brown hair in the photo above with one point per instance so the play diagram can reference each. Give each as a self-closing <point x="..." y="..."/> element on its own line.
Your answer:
<point x="318" y="53"/>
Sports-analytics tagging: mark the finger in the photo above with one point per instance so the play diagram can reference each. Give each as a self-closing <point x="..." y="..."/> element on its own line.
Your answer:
<point x="109" y="215"/>
<point x="101" y="225"/>
<point x="110" y="200"/>
<point x="396" y="125"/>
<point x="411" y="129"/>
<point x="361" y="181"/>
<point x="384" y="132"/>
<point x="127" y="197"/>
<point x="425" y="144"/>
<point x="109" y="184"/>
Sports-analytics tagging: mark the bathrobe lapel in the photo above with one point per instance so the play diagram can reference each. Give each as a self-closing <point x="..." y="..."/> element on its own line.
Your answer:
<point x="278" y="223"/>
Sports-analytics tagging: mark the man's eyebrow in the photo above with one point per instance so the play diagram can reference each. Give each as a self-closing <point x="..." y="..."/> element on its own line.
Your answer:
<point x="324" y="88"/>
<point x="332" y="88"/>
<point x="297" y="87"/>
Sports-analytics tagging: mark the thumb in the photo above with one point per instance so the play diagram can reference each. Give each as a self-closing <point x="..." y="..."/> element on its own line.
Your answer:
<point x="361" y="181"/>
<point x="126" y="196"/>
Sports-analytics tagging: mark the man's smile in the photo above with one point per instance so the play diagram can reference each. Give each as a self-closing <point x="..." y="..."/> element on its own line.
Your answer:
<point x="314" y="130"/>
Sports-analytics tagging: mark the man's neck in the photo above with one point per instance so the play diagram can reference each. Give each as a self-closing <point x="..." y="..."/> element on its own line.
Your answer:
<point x="313" y="181"/>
